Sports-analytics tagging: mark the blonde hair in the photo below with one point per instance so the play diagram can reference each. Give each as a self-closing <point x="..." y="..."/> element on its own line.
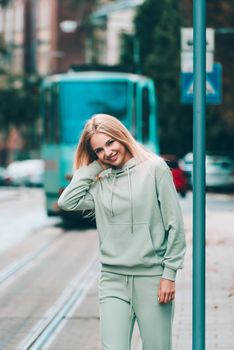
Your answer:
<point x="111" y="126"/>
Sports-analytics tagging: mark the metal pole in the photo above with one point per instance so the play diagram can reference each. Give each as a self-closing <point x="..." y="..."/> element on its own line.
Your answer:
<point x="199" y="104"/>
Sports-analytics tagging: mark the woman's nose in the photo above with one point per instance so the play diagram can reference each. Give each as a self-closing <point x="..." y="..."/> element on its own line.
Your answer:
<point x="107" y="152"/>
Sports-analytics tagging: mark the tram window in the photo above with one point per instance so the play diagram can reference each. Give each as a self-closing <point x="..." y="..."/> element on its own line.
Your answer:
<point x="145" y="114"/>
<point x="134" y="118"/>
<point x="55" y="115"/>
<point x="80" y="100"/>
<point x="47" y="121"/>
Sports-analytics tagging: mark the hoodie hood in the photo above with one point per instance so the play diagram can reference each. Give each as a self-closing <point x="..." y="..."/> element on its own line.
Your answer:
<point x="114" y="174"/>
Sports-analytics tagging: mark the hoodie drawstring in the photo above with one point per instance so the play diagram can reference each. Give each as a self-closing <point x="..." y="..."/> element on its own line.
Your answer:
<point x="130" y="197"/>
<point x="131" y="204"/>
<point x="112" y="189"/>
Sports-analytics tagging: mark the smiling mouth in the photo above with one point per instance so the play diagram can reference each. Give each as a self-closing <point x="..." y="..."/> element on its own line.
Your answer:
<point x="114" y="157"/>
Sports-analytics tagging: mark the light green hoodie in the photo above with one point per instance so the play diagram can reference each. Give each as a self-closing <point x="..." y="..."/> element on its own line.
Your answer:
<point x="138" y="216"/>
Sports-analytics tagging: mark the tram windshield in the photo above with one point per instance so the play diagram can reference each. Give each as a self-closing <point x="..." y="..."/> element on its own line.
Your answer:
<point x="80" y="100"/>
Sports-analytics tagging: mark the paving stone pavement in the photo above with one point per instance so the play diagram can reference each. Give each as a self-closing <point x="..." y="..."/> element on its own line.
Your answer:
<point x="219" y="285"/>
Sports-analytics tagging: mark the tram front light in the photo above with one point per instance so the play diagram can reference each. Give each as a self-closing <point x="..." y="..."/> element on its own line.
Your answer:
<point x="68" y="177"/>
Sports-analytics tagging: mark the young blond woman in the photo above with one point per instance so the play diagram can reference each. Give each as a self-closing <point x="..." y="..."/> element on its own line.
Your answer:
<point x="140" y="230"/>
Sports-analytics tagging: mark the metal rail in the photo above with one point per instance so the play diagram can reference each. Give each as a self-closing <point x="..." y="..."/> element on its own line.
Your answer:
<point x="22" y="265"/>
<point x="71" y="298"/>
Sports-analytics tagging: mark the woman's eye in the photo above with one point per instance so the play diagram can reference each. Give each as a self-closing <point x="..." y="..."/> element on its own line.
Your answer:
<point x="110" y="142"/>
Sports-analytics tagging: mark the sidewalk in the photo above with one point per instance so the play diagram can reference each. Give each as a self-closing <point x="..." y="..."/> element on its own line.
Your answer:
<point x="219" y="285"/>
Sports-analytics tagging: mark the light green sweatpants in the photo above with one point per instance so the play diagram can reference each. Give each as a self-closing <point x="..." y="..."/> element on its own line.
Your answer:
<point x="124" y="299"/>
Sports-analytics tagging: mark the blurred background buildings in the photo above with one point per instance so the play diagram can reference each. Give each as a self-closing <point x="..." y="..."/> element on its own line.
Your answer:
<point x="42" y="37"/>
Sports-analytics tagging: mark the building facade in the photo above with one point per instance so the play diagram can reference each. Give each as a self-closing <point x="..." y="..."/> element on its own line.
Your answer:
<point x="12" y="34"/>
<point x="109" y="22"/>
<point x="39" y="40"/>
<point x="37" y="43"/>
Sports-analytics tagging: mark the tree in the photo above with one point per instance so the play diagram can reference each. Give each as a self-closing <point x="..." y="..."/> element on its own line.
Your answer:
<point x="157" y="28"/>
<point x="19" y="109"/>
<point x="4" y="3"/>
<point x="18" y="104"/>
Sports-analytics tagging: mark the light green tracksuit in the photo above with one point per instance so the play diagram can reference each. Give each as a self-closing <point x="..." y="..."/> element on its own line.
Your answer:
<point x="141" y="237"/>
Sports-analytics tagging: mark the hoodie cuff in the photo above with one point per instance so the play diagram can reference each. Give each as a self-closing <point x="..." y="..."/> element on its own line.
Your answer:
<point x="169" y="274"/>
<point x="91" y="170"/>
<point x="95" y="168"/>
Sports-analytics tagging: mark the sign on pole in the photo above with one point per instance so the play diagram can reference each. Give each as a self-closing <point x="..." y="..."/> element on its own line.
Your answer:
<point x="187" y="43"/>
<point x="187" y="61"/>
<point x="187" y="40"/>
<point x="213" y="86"/>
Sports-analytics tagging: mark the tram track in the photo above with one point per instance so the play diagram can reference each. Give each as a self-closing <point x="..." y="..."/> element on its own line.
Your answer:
<point x="15" y="269"/>
<point x="41" y="288"/>
<point x="72" y="296"/>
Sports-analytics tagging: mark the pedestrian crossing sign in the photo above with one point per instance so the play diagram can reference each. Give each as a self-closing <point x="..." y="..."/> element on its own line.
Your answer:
<point x="213" y="86"/>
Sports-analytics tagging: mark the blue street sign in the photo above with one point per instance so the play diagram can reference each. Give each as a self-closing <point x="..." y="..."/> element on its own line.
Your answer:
<point x="213" y="86"/>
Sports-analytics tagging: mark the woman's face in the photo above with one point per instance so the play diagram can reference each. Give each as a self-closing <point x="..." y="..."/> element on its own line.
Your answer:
<point x="110" y="151"/>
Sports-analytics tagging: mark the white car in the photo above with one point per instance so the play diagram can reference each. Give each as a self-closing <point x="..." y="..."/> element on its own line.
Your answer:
<point x="25" y="172"/>
<point x="219" y="170"/>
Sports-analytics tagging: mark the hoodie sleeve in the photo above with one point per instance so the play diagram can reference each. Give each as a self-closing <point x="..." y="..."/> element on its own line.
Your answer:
<point x="77" y="195"/>
<point x="173" y="223"/>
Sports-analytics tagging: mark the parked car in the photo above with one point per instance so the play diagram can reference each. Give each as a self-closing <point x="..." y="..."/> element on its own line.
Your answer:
<point x="25" y="172"/>
<point x="219" y="170"/>
<point x="179" y="176"/>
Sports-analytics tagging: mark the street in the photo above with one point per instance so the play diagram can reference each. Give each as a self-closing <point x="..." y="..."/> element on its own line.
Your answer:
<point x="49" y="275"/>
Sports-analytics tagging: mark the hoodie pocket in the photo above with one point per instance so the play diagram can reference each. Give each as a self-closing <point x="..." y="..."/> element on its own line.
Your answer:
<point x="120" y="247"/>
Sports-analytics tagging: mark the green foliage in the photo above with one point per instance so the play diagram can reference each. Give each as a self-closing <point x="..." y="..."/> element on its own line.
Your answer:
<point x="126" y="51"/>
<point x="219" y="133"/>
<point x="19" y="102"/>
<point x="3" y="46"/>
<point x="4" y="3"/>
<point x="19" y="109"/>
<point x="157" y="27"/>
<point x="161" y="60"/>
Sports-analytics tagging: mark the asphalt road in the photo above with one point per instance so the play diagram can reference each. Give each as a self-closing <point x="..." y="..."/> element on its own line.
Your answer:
<point x="49" y="275"/>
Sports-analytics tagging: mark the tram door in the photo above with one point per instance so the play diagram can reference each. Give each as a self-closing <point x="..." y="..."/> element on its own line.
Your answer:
<point x="145" y="112"/>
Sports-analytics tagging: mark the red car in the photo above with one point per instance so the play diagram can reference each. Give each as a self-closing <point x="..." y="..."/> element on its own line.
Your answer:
<point x="179" y="175"/>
